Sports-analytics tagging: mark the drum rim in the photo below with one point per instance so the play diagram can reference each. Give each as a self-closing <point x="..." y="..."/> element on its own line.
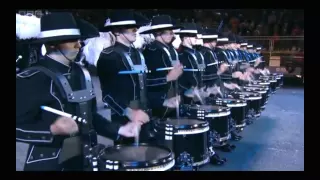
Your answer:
<point x="224" y="109"/>
<point x="259" y="88"/>
<point x="257" y="94"/>
<point x="235" y="99"/>
<point x="140" y="164"/>
<point x="201" y="125"/>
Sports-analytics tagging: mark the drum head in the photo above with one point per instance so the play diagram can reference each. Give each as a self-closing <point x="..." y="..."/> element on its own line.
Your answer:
<point x="254" y="88"/>
<point x="209" y="107"/>
<point x="248" y="93"/>
<point x="229" y="100"/>
<point x="181" y="122"/>
<point x="131" y="153"/>
<point x="232" y="101"/>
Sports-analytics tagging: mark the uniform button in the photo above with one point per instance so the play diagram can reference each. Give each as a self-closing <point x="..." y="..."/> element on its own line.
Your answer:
<point x="31" y="157"/>
<point x="28" y="137"/>
<point x="53" y="154"/>
<point x="43" y="137"/>
<point x="41" y="155"/>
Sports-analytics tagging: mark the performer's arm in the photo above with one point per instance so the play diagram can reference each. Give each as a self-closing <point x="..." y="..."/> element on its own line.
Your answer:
<point x="103" y="126"/>
<point x="108" y="67"/>
<point x="187" y="80"/>
<point x="157" y="83"/>
<point x="32" y="123"/>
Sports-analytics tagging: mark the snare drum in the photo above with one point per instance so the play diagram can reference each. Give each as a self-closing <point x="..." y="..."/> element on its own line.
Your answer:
<point x="142" y="157"/>
<point x="253" y="101"/>
<point x="261" y="82"/>
<point x="188" y="140"/>
<point x="273" y="83"/>
<point x="218" y="118"/>
<point x="261" y="90"/>
<point x="266" y="87"/>
<point x="238" y="110"/>
<point x="278" y="77"/>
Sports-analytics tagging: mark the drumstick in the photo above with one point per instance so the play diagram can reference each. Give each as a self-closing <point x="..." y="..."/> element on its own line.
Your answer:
<point x="19" y="57"/>
<point x="55" y="111"/>
<point x="136" y="138"/>
<point x="196" y="92"/>
<point x="64" y="114"/>
<point x="177" y="100"/>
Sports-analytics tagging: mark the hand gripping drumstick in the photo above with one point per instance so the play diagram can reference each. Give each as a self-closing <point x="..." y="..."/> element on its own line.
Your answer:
<point x="64" y="114"/>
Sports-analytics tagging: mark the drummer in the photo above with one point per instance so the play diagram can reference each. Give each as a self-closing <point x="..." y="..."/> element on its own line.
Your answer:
<point x="46" y="132"/>
<point x="210" y="77"/>
<point x="229" y="77"/>
<point x="190" y="81"/>
<point x="121" y="69"/>
<point x="163" y="62"/>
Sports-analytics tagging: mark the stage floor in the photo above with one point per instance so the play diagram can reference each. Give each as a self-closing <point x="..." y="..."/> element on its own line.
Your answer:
<point x="275" y="142"/>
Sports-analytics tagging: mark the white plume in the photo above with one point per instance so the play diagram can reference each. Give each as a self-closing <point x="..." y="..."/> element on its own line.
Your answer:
<point x="176" y="43"/>
<point x="27" y="26"/>
<point x="94" y="46"/>
<point x="143" y="39"/>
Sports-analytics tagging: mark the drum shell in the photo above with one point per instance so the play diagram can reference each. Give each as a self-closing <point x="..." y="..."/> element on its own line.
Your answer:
<point x="251" y="104"/>
<point x="239" y="114"/>
<point x="255" y="105"/>
<point x="221" y="125"/>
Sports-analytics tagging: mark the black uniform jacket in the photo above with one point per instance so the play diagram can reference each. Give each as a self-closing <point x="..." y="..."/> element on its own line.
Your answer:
<point x="119" y="91"/>
<point x="223" y="58"/>
<point x="210" y="76"/>
<point x="35" y="89"/>
<point x="158" y="59"/>
<point x="191" y="76"/>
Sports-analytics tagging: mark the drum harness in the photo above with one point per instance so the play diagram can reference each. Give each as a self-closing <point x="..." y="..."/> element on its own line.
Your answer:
<point x="81" y="100"/>
<point x="176" y="83"/>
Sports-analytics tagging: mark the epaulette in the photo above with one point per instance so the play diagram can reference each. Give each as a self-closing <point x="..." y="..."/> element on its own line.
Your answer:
<point x="108" y="50"/>
<point x="27" y="73"/>
<point x="152" y="47"/>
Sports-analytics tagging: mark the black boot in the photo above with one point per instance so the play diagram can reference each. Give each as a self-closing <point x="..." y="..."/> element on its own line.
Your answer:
<point x="235" y="136"/>
<point x="216" y="160"/>
<point x="227" y="148"/>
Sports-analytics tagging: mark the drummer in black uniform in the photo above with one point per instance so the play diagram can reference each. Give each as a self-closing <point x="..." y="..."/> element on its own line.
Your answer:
<point x="121" y="69"/>
<point x="210" y="77"/>
<point x="225" y="64"/>
<point x="163" y="62"/>
<point x="190" y="81"/>
<point x="49" y="135"/>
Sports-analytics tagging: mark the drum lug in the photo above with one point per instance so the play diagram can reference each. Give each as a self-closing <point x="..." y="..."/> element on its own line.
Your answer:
<point x="185" y="162"/>
<point x="211" y="151"/>
<point x="232" y="123"/>
<point x="213" y="137"/>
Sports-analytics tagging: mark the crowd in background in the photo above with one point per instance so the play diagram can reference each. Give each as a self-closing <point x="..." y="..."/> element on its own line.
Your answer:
<point x="244" y="22"/>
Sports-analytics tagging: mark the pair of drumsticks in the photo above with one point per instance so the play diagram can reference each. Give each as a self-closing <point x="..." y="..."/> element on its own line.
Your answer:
<point x="76" y="118"/>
